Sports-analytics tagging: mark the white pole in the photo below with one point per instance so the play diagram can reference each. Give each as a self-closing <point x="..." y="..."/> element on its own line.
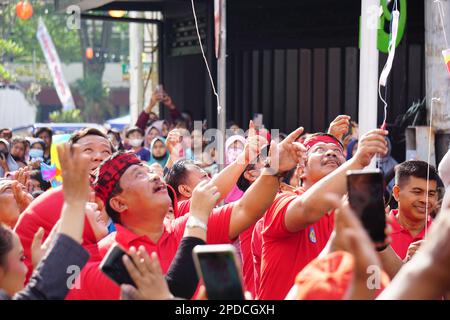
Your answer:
<point x="436" y="75"/>
<point x="368" y="68"/>
<point x="135" y="70"/>
<point x="222" y="77"/>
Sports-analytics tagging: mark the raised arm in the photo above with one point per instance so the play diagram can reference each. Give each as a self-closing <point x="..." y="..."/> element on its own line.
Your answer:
<point x="142" y="120"/>
<point x="48" y="282"/>
<point x="310" y="207"/>
<point x="228" y="177"/>
<point x="257" y="199"/>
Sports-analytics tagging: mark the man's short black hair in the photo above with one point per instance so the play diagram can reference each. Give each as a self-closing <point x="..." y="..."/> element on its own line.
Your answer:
<point x="243" y="184"/>
<point x="43" y="129"/>
<point x="177" y="175"/>
<point x="36" y="175"/>
<point x="77" y="135"/>
<point x="417" y="169"/>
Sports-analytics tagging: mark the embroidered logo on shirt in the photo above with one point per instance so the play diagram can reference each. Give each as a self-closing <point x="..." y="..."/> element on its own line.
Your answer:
<point x="312" y="235"/>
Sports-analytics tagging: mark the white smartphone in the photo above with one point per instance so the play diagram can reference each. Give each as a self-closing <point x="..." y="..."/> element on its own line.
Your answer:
<point x="219" y="267"/>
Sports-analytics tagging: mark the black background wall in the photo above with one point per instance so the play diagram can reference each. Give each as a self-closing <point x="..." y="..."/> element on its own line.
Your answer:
<point x="297" y="62"/>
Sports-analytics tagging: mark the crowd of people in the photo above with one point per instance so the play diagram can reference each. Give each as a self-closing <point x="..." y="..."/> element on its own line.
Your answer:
<point x="157" y="189"/>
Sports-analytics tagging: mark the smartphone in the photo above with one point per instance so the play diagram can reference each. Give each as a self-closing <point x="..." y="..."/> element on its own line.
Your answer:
<point x="258" y="120"/>
<point x="218" y="266"/>
<point x="366" y="197"/>
<point x="113" y="266"/>
<point x="160" y="91"/>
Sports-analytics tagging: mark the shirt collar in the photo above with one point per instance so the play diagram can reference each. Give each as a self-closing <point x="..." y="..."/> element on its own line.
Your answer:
<point x="128" y="238"/>
<point x="397" y="227"/>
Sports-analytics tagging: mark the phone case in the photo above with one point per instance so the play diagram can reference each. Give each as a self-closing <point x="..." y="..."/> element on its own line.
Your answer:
<point x="220" y="271"/>
<point x="112" y="265"/>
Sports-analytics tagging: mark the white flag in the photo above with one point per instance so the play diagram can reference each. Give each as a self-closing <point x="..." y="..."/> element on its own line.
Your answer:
<point x="54" y="65"/>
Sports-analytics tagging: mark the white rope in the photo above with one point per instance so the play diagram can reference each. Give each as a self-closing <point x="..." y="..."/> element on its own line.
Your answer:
<point x="219" y="108"/>
<point x="428" y="162"/>
<point x="382" y="81"/>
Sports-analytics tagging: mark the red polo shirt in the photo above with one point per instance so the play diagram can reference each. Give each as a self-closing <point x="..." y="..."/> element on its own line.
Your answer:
<point x="44" y="212"/>
<point x="95" y="285"/>
<point x="256" y="254"/>
<point x="245" y="241"/>
<point x="248" y="267"/>
<point x="284" y="253"/>
<point x="401" y="238"/>
<point x="184" y="207"/>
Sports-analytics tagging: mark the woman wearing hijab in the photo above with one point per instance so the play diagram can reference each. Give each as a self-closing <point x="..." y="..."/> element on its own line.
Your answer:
<point x="7" y="162"/>
<point x="158" y="152"/>
<point x="153" y="131"/>
<point x="234" y="146"/>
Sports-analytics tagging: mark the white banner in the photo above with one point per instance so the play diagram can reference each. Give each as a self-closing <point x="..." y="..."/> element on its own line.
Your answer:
<point x="54" y="65"/>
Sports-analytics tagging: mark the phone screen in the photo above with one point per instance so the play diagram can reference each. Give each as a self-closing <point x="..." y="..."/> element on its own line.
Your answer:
<point x="365" y="192"/>
<point x="220" y="275"/>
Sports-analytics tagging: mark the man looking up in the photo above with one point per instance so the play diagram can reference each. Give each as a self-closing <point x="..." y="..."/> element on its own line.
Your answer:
<point x="137" y="201"/>
<point x="297" y="227"/>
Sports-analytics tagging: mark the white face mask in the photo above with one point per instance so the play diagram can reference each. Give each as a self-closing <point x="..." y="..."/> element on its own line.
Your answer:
<point x="36" y="153"/>
<point x="135" y="142"/>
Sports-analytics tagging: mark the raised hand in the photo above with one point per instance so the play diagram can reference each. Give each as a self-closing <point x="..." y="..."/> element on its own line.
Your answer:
<point x="75" y="173"/>
<point x="252" y="146"/>
<point x="155" y="98"/>
<point x="173" y="143"/>
<point x="38" y="249"/>
<point x="370" y="144"/>
<point x="22" y="175"/>
<point x="204" y="198"/>
<point x="288" y="153"/>
<point x="22" y="197"/>
<point x="167" y="101"/>
<point x="339" y="126"/>
<point x="146" y="273"/>
<point x="412" y="249"/>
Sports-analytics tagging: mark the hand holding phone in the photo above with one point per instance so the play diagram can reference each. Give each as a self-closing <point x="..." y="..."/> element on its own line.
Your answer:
<point x="160" y="91"/>
<point x="112" y="265"/>
<point x="365" y="193"/>
<point x="218" y="266"/>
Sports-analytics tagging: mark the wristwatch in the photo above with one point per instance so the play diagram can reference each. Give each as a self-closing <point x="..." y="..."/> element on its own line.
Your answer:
<point x="272" y="171"/>
<point x="194" y="222"/>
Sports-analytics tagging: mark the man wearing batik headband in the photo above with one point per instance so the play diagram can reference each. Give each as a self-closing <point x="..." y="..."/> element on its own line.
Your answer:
<point x="297" y="227"/>
<point x="137" y="200"/>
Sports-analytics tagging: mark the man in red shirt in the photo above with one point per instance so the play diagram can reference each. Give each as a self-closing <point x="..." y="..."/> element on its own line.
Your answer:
<point x="184" y="175"/>
<point x="46" y="209"/>
<point x="137" y="201"/>
<point x="413" y="214"/>
<point x="297" y="228"/>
